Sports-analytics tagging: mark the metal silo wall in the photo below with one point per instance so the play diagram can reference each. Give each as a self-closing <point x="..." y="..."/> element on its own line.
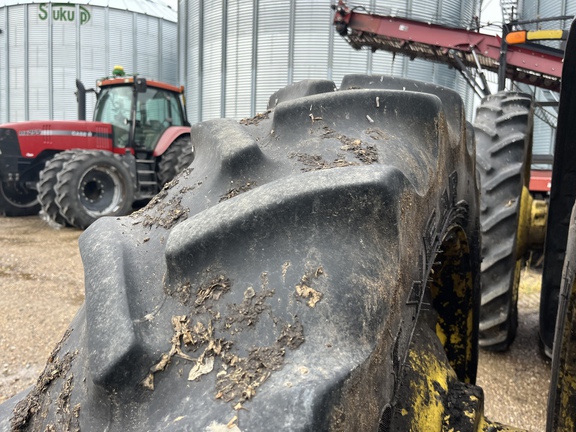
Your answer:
<point x="3" y="71"/>
<point x="212" y="61"/>
<point x="312" y="31"/>
<point x="193" y="50"/>
<point x="121" y="43"/>
<point x="168" y="55"/>
<point x="544" y="134"/>
<point x="94" y="48"/>
<point x="272" y="49"/>
<point x="38" y="66"/>
<point x="239" y="52"/>
<point x="16" y="63"/>
<point x="238" y="76"/>
<point x="40" y="57"/>
<point x="64" y="54"/>
<point x="147" y="41"/>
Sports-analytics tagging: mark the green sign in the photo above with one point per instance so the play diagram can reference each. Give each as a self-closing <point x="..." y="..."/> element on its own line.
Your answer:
<point x="65" y="12"/>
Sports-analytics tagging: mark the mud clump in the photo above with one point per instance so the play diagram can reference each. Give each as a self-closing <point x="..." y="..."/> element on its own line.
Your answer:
<point x="237" y="191"/>
<point x="207" y="340"/>
<point x="248" y="312"/>
<point x="38" y="401"/>
<point x="365" y="153"/>
<point x="169" y="213"/>
<point x="292" y="335"/>
<point x="211" y="292"/>
<point x="376" y="134"/>
<point x="304" y="288"/>
<point x="316" y="162"/>
<point x="242" y="376"/>
<point x="256" y="119"/>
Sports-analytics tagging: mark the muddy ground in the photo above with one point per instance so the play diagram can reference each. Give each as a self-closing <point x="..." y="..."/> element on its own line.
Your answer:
<point x="41" y="288"/>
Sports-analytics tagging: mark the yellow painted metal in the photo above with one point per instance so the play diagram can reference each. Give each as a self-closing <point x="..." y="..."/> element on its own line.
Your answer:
<point x="436" y="392"/>
<point x="524" y="221"/>
<point x="538" y="217"/>
<point x="451" y="287"/>
<point x="533" y="35"/>
<point x="439" y="401"/>
<point x="428" y="385"/>
<point x="531" y="223"/>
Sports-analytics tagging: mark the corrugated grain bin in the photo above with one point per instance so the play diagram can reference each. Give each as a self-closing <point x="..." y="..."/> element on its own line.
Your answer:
<point x="238" y="52"/>
<point x="45" y="46"/>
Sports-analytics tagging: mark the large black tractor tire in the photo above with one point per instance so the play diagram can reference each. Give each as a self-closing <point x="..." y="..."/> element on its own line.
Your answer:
<point x="175" y="159"/>
<point x="562" y="395"/>
<point x="317" y="270"/>
<point x="18" y="201"/>
<point x="93" y="184"/>
<point x="503" y="128"/>
<point x="48" y="178"/>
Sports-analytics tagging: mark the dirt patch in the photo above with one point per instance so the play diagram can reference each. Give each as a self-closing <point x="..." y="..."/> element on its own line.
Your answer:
<point x="243" y="375"/>
<point x="163" y="212"/>
<point x="207" y="341"/>
<point x="237" y="191"/>
<point x="38" y="400"/>
<point x="304" y="288"/>
<point x="366" y="153"/>
<point x="167" y="212"/>
<point x="256" y="119"/>
<point x="248" y="312"/>
<point x="316" y="162"/>
<point x="376" y="134"/>
<point x="211" y="292"/>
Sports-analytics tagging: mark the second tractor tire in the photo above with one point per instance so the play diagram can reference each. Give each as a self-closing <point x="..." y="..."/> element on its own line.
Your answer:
<point x="503" y="129"/>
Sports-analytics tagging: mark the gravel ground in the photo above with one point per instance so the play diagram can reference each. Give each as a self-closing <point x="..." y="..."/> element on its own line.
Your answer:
<point x="516" y="383"/>
<point x="41" y="288"/>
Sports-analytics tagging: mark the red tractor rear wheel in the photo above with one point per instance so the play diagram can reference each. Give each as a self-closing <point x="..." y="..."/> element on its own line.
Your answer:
<point x="175" y="159"/>
<point x="93" y="184"/>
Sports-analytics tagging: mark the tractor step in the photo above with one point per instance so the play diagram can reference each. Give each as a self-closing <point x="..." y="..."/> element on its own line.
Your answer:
<point x="147" y="178"/>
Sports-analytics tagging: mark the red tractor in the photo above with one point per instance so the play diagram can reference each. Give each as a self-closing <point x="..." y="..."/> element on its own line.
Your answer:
<point x="77" y="171"/>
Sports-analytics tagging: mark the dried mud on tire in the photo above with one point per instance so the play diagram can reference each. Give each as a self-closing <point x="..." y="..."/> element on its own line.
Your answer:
<point x="294" y="296"/>
<point x="284" y="294"/>
<point x="515" y="383"/>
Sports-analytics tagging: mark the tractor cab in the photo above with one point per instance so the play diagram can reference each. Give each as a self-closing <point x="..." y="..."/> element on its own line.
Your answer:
<point x="139" y="110"/>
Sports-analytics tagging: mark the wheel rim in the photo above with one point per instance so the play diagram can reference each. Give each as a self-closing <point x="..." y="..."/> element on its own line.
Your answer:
<point x="17" y="196"/>
<point x="101" y="190"/>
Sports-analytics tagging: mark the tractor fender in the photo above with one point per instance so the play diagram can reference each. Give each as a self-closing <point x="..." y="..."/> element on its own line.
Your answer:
<point x="168" y="137"/>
